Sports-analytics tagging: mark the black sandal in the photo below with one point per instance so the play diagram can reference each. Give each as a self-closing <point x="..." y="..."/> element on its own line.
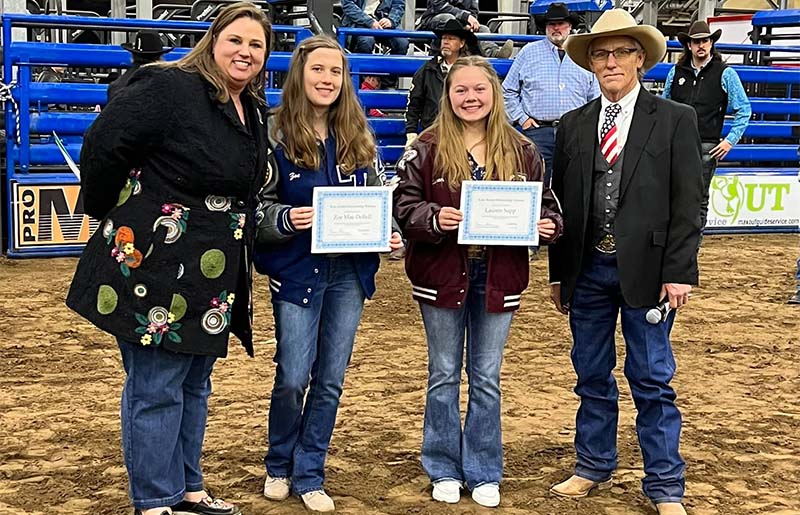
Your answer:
<point x="207" y="506"/>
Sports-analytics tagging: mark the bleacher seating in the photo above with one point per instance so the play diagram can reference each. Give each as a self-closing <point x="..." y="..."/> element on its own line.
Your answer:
<point x="770" y="144"/>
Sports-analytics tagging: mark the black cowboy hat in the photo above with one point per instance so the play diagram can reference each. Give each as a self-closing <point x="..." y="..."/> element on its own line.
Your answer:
<point x="557" y="11"/>
<point x="455" y="28"/>
<point x="147" y="43"/>
<point x="699" y="30"/>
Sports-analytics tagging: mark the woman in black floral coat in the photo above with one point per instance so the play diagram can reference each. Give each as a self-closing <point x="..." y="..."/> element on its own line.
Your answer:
<point x="171" y="168"/>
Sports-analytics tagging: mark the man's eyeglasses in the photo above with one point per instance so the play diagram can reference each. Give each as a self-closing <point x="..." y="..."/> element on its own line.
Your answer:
<point x="620" y="54"/>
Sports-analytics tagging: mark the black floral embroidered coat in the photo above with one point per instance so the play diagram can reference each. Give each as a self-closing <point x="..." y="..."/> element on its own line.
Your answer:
<point x="172" y="174"/>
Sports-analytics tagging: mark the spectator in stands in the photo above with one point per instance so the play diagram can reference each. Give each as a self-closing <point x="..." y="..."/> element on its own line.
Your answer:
<point x="372" y="83"/>
<point x="701" y="80"/>
<point x="544" y="83"/>
<point x="630" y="243"/>
<point x="185" y="138"/>
<point x="376" y="15"/>
<point x="438" y="12"/>
<point x="52" y="74"/>
<point x="426" y="86"/>
<point x="459" y="293"/>
<point x="319" y="137"/>
<point x="146" y="48"/>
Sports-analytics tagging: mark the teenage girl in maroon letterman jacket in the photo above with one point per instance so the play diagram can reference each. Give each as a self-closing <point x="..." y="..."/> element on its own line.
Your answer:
<point x="435" y="261"/>
<point x="467" y="293"/>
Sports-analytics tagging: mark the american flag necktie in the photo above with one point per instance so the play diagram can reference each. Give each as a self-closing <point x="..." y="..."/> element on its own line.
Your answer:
<point x="609" y="141"/>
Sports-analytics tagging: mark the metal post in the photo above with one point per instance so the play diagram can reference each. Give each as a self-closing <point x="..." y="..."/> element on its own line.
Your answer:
<point x="144" y="9"/>
<point x="705" y="9"/>
<point x="650" y="12"/>
<point x="408" y="19"/>
<point x="15" y="6"/>
<point x="117" y="11"/>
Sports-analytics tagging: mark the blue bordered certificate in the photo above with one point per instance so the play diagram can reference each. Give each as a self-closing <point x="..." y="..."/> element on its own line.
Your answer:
<point x="351" y="219"/>
<point x="500" y="212"/>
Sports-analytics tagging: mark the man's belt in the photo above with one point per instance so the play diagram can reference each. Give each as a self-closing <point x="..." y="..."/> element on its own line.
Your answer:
<point x="546" y="123"/>
<point x="607" y="244"/>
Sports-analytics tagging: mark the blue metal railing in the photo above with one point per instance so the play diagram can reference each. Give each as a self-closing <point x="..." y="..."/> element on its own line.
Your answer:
<point x="35" y="120"/>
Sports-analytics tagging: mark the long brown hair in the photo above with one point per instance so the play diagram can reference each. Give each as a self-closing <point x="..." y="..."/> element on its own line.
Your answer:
<point x="504" y="145"/>
<point x="201" y="58"/>
<point x="355" y="144"/>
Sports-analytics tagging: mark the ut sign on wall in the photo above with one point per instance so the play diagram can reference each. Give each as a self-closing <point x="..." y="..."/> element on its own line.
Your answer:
<point x="757" y="202"/>
<point x="48" y="219"/>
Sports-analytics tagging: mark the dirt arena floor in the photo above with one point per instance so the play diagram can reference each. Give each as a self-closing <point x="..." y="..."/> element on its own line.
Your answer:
<point x="737" y="345"/>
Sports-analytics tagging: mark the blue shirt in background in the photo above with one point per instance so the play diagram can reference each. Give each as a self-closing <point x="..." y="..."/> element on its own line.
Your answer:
<point x="542" y="86"/>
<point x="738" y="103"/>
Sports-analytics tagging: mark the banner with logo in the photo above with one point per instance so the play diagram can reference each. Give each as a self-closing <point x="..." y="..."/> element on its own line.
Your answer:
<point x="48" y="216"/>
<point x="750" y="202"/>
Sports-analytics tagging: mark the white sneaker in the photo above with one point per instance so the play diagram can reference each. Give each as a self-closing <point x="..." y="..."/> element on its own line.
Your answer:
<point x="276" y="488"/>
<point x="487" y="494"/>
<point x="318" y="502"/>
<point x="448" y="490"/>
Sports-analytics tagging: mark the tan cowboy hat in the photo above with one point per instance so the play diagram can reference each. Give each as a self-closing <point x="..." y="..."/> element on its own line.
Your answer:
<point x="617" y="22"/>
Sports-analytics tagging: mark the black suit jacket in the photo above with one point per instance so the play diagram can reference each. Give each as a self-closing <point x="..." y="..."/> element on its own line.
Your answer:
<point x="657" y="226"/>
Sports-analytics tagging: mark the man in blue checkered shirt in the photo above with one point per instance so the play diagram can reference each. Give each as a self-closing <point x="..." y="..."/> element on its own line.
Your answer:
<point x="544" y="83"/>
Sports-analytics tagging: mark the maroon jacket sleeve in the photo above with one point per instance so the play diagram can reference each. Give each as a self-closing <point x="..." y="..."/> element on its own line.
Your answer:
<point x="414" y="212"/>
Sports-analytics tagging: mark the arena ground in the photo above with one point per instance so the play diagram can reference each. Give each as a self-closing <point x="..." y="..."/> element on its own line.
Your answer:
<point x="737" y="346"/>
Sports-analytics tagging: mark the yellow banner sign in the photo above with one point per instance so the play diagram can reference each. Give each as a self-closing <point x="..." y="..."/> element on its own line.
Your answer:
<point x="48" y="215"/>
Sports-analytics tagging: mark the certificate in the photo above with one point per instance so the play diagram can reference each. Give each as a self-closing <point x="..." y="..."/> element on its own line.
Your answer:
<point x="500" y="213"/>
<point x="348" y="219"/>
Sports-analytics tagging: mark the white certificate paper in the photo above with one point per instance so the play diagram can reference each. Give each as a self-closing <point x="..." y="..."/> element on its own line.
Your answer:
<point x="348" y="219"/>
<point x="500" y="213"/>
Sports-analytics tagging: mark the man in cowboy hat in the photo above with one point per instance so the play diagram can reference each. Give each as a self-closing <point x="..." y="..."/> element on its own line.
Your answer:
<point x="428" y="81"/>
<point x="627" y="170"/>
<point x="701" y="80"/>
<point x="438" y="12"/>
<point x="543" y="83"/>
<point x="146" y="48"/>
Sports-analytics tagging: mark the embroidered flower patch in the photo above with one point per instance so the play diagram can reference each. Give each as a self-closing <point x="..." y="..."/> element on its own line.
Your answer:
<point x="174" y="219"/>
<point x="124" y="251"/>
<point x="237" y="224"/>
<point x="216" y="319"/>
<point x="158" y="323"/>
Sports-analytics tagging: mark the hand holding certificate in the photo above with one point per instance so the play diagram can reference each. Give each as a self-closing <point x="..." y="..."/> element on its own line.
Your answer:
<point x="500" y="213"/>
<point x="351" y="220"/>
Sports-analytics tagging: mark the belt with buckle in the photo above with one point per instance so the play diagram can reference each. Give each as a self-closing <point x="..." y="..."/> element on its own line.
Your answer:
<point x="546" y="123"/>
<point x="607" y="244"/>
<point x="476" y="252"/>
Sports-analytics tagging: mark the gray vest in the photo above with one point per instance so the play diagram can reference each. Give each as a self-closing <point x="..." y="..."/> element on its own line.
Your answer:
<point x="605" y="195"/>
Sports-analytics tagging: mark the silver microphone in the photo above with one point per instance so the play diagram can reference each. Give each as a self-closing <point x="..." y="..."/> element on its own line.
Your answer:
<point x="658" y="313"/>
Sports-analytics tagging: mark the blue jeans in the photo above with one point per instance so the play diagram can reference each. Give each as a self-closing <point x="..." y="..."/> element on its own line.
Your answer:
<point x="545" y="140"/>
<point x="314" y="342"/>
<point x="163" y="412"/>
<point x="474" y="455"/>
<point x="709" y="168"/>
<point x="649" y="367"/>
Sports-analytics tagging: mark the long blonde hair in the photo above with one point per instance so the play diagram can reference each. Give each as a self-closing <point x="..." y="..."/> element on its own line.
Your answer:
<point x="504" y="145"/>
<point x="355" y="143"/>
<point x="201" y="58"/>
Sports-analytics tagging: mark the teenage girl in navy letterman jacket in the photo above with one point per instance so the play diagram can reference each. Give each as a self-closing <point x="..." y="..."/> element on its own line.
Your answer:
<point x="318" y="137"/>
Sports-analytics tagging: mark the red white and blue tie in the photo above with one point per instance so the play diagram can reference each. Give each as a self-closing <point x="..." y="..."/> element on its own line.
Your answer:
<point x="609" y="134"/>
